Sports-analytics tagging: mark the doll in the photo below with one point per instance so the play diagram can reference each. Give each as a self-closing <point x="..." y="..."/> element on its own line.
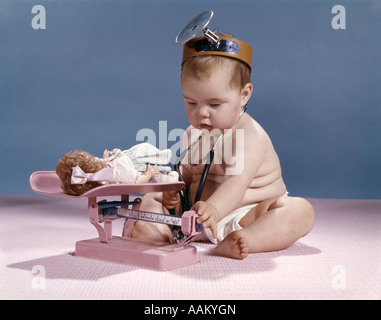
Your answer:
<point x="80" y="171"/>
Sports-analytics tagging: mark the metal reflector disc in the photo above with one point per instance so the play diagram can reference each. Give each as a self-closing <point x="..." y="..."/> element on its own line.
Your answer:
<point x="194" y="27"/>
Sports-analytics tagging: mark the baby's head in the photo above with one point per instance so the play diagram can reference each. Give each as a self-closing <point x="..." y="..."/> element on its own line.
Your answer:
<point x="216" y="90"/>
<point x="215" y="78"/>
<point x="215" y="75"/>
<point x="87" y="162"/>
<point x="202" y="68"/>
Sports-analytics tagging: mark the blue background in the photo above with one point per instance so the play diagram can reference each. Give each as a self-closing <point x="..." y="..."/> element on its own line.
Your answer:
<point x="103" y="70"/>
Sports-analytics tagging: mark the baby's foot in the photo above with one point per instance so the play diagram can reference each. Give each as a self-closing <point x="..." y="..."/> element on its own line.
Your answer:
<point x="233" y="246"/>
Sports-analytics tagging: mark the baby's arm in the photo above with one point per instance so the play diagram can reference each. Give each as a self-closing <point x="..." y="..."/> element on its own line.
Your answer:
<point x="221" y="203"/>
<point x="230" y="193"/>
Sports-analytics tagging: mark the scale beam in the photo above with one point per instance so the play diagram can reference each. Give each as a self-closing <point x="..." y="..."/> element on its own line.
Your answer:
<point x="147" y="216"/>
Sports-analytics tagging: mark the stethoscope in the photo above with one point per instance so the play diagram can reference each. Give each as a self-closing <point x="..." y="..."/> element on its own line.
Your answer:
<point x="185" y="197"/>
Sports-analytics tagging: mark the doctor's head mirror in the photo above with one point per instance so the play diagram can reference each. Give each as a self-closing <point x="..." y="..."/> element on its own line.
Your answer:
<point x="199" y="40"/>
<point x="195" y="26"/>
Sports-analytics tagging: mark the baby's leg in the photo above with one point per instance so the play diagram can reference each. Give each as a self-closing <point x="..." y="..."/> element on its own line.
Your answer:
<point x="148" y="230"/>
<point x="272" y="225"/>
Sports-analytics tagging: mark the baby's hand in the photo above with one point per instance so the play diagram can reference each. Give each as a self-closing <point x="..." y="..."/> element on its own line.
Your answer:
<point x="170" y="199"/>
<point x="207" y="215"/>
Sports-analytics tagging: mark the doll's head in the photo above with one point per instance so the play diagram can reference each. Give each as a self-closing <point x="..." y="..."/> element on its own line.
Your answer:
<point x="87" y="162"/>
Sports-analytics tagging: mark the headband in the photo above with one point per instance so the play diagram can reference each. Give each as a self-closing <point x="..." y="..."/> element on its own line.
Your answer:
<point x="228" y="47"/>
<point x="211" y="43"/>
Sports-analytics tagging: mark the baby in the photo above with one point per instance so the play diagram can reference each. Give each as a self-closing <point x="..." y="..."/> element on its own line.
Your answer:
<point x="243" y="208"/>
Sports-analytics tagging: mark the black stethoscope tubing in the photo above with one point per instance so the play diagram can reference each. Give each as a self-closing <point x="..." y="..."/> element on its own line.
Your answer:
<point x="186" y="200"/>
<point x="185" y="197"/>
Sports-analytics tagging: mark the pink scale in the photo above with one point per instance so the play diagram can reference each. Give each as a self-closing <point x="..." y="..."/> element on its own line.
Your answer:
<point x="107" y="247"/>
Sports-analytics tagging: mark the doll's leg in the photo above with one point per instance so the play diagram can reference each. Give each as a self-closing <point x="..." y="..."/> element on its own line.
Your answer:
<point x="272" y="225"/>
<point x="149" y="230"/>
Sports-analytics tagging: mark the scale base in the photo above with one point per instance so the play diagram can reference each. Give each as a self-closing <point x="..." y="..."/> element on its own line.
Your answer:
<point x="153" y="255"/>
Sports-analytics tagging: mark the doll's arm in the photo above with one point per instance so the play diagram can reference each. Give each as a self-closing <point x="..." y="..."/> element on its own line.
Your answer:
<point x="106" y="154"/>
<point x="148" y="174"/>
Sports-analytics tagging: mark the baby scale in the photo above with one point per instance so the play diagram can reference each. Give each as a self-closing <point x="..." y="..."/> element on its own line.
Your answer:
<point x="124" y="250"/>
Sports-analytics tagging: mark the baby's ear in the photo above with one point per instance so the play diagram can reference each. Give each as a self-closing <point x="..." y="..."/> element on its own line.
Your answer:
<point x="246" y="92"/>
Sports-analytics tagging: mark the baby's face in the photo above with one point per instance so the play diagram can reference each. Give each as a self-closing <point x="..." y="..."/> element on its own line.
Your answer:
<point x="212" y="103"/>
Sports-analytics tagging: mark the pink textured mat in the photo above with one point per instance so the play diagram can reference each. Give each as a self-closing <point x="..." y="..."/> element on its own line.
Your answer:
<point x="339" y="259"/>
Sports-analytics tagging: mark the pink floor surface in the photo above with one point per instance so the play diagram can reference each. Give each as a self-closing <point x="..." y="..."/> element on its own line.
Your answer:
<point x="339" y="259"/>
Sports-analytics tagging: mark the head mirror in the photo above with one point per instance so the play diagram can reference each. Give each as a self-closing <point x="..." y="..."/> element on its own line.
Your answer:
<point x="208" y="42"/>
<point x="195" y="26"/>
